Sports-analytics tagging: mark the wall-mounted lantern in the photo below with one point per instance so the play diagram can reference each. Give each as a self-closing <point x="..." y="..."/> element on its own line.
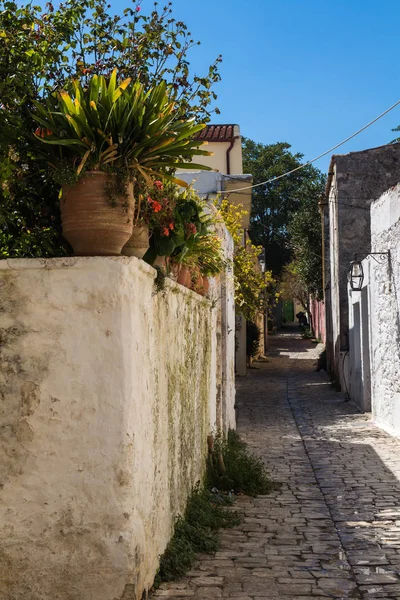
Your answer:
<point x="356" y="275"/>
<point x="356" y="272"/>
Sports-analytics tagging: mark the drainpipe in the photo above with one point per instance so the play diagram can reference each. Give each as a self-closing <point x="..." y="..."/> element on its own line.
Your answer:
<point x="228" y="158"/>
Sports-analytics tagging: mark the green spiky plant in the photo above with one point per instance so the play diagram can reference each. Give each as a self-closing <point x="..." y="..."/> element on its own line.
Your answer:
<point x="120" y="127"/>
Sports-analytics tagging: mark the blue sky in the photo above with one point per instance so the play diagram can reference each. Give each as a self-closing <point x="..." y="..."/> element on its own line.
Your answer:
<point x="308" y="72"/>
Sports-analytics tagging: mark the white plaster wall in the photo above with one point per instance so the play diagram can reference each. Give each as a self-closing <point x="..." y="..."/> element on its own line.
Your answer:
<point x="334" y="277"/>
<point x="226" y="294"/>
<point x="108" y="394"/>
<point x="385" y="311"/>
<point x="358" y="376"/>
<point x="204" y="182"/>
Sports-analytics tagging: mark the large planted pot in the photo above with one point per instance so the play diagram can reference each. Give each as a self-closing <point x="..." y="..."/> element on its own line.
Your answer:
<point x="92" y="223"/>
<point x="138" y="243"/>
<point x="204" y="286"/>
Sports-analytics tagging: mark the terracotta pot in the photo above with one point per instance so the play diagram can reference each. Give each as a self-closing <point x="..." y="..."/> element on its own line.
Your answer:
<point x="204" y="287"/>
<point x="138" y="243"/>
<point x="90" y="223"/>
<point x="184" y="276"/>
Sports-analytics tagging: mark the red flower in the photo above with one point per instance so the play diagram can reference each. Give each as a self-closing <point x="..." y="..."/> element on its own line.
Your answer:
<point x="156" y="206"/>
<point x="171" y="226"/>
<point x="166" y="231"/>
<point x="137" y="8"/>
<point x="158" y="184"/>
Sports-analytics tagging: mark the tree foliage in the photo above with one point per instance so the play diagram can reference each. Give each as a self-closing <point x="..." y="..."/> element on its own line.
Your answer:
<point x="292" y="285"/>
<point x="275" y="203"/>
<point x="305" y="231"/>
<point x="254" y="290"/>
<point x="42" y="48"/>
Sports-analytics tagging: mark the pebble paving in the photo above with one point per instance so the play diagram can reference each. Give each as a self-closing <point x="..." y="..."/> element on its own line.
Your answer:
<point x="333" y="528"/>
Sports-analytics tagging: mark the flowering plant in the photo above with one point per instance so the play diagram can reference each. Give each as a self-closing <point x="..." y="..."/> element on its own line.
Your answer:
<point x="177" y="219"/>
<point x="156" y="206"/>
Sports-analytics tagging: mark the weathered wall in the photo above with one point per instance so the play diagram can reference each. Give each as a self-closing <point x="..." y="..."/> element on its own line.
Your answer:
<point x="385" y="311"/>
<point x="108" y="394"/>
<point x="357" y="374"/>
<point x="374" y="320"/>
<point x="318" y="319"/>
<point x="355" y="180"/>
<point x="223" y="290"/>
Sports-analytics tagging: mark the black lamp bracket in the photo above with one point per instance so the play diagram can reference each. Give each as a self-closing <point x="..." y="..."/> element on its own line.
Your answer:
<point x="379" y="257"/>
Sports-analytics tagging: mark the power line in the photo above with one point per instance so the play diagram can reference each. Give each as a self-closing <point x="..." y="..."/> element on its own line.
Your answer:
<point x="323" y="154"/>
<point x="330" y="201"/>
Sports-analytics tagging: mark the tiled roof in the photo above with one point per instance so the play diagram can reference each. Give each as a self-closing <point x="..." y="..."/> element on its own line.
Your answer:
<point x="217" y="133"/>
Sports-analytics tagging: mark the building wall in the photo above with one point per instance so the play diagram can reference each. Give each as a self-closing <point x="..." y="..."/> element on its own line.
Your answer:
<point x="108" y="394"/>
<point x="385" y="311"/>
<point x="355" y="180"/>
<point x="218" y="160"/>
<point x="318" y="319"/>
<point x="357" y="362"/>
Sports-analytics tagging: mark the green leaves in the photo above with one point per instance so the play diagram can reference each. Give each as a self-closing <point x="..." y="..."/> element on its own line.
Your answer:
<point x="274" y="204"/>
<point x="44" y="47"/>
<point x="139" y="125"/>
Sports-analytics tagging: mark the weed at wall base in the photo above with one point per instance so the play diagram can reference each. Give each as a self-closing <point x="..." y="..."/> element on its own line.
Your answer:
<point x="206" y="512"/>
<point x="231" y="469"/>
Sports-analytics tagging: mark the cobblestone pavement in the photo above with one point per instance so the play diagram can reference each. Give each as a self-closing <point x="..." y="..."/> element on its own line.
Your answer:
<point x="333" y="529"/>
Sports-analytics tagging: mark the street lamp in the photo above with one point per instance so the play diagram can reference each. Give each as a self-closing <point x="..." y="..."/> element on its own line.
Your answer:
<point x="356" y="272"/>
<point x="356" y="275"/>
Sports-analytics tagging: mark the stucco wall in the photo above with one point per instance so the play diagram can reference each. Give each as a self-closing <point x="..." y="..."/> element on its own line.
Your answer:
<point x="357" y="361"/>
<point x="385" y="311"/>
<point x="318" y="319"/>
<point x="374" y="320"/>
<point x="108" y="394"/>
<point x="218" y="159"/>
<point x="355" y="180"/>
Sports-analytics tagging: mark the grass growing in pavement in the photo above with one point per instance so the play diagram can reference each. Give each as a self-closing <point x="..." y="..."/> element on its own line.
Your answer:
<point x="231" y="468"/>
<point x="239" y="471"/>
<point x="206" y="512"/>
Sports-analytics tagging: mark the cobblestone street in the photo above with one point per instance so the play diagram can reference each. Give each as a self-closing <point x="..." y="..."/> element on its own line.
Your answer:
<point x="333" y="529"/>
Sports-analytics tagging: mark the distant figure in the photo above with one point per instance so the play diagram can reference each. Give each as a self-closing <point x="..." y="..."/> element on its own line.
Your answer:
<point x="301" y="316"/>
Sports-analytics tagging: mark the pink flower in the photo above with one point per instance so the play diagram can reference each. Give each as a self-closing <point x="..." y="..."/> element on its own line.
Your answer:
<point x="138" y="9"/>
<point x="158" y="184"/>
<point x="191" y="229"/>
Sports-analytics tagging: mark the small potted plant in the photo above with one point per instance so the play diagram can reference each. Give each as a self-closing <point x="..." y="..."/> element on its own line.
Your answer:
<point x="153" y="212"/>
<point x="180" y="220"/>
<point x="99" y="140"/>
<point x="210" y="260"/>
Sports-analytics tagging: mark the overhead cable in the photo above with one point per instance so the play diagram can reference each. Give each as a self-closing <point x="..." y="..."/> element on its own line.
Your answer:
<point x="273" y="179"/>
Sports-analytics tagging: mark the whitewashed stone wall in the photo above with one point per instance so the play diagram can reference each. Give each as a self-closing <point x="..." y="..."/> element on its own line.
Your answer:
<point x="374" y="320"/>
<point x="355" y="180"/>
<point x="108" y="392"/>
<point x="385" y="311"/>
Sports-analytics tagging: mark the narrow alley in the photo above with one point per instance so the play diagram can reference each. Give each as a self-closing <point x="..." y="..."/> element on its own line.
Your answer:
<point x="333" y="529"/>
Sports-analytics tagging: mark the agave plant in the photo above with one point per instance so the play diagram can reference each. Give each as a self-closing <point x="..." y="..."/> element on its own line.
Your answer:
<point x="117" y="125"/>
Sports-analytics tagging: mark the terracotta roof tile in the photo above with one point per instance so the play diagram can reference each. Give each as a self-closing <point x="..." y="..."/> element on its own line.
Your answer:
<point x="217" y="133"/>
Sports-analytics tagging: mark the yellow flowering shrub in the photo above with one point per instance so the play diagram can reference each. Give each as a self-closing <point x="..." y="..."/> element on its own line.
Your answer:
<point x="254" y="290"/>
